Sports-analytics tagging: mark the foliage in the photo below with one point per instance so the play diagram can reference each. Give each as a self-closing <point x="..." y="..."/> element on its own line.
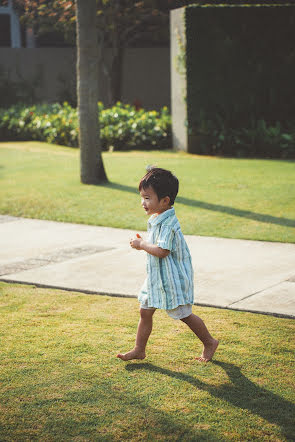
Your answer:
<point x="122" y="127"/>
<point x="242" y="78"/>
<point x="125" y="19"/>
<point x="258" y="139"/>
<point x="53" y="123"/>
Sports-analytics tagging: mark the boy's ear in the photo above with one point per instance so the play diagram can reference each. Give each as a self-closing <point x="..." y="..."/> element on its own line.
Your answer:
<point x="166" y="200"/>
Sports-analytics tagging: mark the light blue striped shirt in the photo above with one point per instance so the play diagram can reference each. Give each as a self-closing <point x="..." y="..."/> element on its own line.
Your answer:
<point x="169" y="281"/>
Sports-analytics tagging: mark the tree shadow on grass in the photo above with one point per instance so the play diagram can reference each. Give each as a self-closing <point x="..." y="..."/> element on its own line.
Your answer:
<point x="260" y="217"/>
<point x="104" y="411"/>
<point x="241" y="393"/>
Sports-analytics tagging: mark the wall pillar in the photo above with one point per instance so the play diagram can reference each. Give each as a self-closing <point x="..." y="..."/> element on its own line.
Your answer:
<point x="178" y="79"/>
<point x="15" y="34"/>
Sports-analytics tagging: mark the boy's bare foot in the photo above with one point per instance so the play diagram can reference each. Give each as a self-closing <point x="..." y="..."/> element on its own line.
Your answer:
<point x="208" y="351"/>
<point x="133" y="354"/>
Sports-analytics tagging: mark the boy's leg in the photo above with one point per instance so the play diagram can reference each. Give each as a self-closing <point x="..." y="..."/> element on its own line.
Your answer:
<point x="198" y="326"/>
<point x="144" y="329"/>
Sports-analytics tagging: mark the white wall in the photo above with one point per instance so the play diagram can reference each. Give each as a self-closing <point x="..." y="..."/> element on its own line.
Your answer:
<point x="146" y="73"/>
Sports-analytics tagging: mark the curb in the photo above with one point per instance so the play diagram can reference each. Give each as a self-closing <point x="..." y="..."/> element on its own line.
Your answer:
<point x="120" y="295"/>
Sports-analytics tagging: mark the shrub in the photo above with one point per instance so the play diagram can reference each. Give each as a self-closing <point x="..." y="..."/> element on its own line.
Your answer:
<point x="121" y="127"/>
<point x="259" y="139"/>
<point x="243" y="70"/>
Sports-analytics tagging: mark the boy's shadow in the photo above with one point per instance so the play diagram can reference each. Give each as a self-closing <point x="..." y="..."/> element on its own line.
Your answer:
<point x="242" y="393"/>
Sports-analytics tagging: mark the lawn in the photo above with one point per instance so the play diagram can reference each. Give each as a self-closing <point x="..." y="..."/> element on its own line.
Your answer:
<point x="224" y="197"/>
<point x="60" y="379"/>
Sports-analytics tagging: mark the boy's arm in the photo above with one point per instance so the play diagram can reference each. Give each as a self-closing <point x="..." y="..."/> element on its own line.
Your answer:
<point x="152" y="249"/>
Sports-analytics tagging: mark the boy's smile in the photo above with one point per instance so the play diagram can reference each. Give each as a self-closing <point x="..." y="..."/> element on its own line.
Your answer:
<point x="151" y="203"/>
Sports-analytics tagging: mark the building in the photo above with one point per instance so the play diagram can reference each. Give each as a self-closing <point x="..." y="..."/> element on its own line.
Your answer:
<point x="10" y="29"/>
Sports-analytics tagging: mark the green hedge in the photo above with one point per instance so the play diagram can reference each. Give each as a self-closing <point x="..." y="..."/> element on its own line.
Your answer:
<point x="122" y="127"/>
<point x="258" y="139"/>
<point x="240" y="68"/>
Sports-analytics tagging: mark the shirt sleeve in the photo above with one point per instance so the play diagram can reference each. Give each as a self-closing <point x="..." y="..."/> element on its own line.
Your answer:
<point x="165" y="238"/>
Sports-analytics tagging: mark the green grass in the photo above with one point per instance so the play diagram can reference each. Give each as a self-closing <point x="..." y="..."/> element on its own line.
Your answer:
<point x="60" y="379"/>
<point x="234" y="198"/>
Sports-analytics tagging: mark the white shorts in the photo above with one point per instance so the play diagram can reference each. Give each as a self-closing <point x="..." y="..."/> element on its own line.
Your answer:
<point x="180" y="312"/>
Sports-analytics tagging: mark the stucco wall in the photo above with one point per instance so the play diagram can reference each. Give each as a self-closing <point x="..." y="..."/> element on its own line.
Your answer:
<point x="178" y="80"/>
<point x="146" y="74"/>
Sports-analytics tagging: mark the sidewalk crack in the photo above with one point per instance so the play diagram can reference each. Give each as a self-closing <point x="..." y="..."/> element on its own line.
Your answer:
<point x="256" y="293"/>
<point x="56" y="257"/>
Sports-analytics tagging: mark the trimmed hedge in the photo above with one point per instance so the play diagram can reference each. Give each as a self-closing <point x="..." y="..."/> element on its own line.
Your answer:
<point x="240" y="70"/>
<point x="122" y="127"/>
<point x="259" y="139"/>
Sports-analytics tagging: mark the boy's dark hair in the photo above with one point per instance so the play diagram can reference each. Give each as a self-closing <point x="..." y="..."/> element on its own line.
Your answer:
<point x="162" y="181"/>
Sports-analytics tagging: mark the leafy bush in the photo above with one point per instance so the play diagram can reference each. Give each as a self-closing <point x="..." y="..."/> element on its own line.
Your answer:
<point x="122" y="127"/>
<point x="243" y="70"/>
<point x="259" y="139"/>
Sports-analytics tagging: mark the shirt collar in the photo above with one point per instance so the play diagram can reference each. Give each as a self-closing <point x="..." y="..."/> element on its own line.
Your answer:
<point x="154" y="220"/>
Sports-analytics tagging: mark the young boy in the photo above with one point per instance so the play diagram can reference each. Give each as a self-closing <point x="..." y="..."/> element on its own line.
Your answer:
<point x="169" y="283"/>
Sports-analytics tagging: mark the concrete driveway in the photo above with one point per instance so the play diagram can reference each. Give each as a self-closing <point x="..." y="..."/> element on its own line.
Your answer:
<point x="245" y="275"/>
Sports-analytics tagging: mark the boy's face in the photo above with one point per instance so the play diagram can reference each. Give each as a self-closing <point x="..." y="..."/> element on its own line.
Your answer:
<point x="151" y="203"/>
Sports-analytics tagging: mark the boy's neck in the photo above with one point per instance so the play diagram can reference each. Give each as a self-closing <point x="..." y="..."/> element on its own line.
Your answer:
<point x="164" y="210"/>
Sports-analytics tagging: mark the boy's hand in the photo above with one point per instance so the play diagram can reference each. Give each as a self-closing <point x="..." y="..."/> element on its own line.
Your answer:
<point x="136" y="243"/>
<point x="139" y="244"/>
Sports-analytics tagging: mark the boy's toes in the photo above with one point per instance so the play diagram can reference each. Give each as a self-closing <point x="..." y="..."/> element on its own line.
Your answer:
<point x="133" y="354"/>
<point x="202" y="359"/>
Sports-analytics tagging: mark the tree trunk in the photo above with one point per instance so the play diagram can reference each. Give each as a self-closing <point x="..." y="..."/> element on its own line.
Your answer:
<point x="91" y="164"/>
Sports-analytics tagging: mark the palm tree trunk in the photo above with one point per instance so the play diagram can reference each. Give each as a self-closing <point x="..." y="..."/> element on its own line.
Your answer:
<point x="91" y="165"/>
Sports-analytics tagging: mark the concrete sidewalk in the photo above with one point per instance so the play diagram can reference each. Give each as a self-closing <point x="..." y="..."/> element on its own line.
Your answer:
<point x="253" y="276"/>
